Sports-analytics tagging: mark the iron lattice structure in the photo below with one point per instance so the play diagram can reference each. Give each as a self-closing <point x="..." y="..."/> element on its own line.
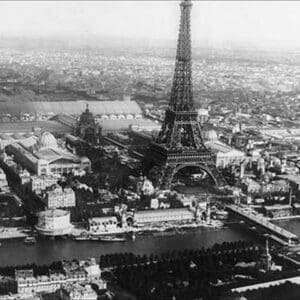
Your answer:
<point x="179" y="143"/>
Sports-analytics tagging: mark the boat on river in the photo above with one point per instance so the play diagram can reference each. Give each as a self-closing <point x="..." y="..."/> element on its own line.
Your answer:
<point x="111" y="239"/>
<point x="30" y="240"/>
<point x="81" y="238"/>
<point x="100" y="238"/>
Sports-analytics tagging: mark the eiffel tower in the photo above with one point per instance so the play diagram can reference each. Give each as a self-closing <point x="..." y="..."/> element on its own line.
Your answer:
<point x="179" y="143"/>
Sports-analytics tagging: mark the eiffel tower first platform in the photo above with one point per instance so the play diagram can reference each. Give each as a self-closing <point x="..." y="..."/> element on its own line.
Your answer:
<point x="179" y="143"/>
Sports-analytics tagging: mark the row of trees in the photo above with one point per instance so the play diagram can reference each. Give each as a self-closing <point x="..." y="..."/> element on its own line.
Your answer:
<point x="182" y="278"/>
<point x="207" y="277"/>
<point x="189" y="274"/>
<point x="230" y="249"/>
<point x="181" y="274"/>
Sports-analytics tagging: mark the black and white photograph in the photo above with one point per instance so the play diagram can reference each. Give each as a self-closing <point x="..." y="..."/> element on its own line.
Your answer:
<point x="149" y="150"/>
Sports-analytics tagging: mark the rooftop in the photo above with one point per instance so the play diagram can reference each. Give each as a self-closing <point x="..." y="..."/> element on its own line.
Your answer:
<point x="163" y="211"/>
<point x="217" y="146"/>
<point x="53" y="213"/>
<point x="70" y="107"/>
<point x="52" y="155"/>
<point x="115" y="125"/>
<point x="28" y="126"/>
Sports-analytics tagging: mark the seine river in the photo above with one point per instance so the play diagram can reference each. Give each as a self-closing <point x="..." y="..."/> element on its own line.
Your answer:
<point x="14" y="252"/>
<point x="292" y="225"/>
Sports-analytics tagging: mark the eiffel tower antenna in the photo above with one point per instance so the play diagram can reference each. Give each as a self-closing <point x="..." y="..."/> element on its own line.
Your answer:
<point x="182" y="90"/>
<point x="179" y="143"/>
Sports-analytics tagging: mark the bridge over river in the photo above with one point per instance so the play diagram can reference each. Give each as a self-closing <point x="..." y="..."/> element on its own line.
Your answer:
<point x="277" y="233"/>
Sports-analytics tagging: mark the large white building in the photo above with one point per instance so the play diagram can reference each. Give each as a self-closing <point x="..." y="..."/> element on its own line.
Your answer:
<point x="46" y="158"/>
<point x="28" y="284"/>
<point x="57" y="197"/>
<point x="54" y="222"/>
<point x="164" y="215"/>
<point x="73" y="274"/>
<point x="225" y="155"/>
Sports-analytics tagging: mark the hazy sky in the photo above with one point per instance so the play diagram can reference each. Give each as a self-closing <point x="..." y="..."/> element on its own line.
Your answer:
<point x="262" y="22"/>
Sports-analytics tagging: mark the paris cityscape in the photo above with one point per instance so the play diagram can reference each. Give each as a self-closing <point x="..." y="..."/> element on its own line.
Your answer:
<point x="148" y="171"/>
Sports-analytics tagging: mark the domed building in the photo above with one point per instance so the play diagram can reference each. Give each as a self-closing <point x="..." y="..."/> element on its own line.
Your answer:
<point x="54" y="222"/>
<point x="47" y="141"/>
<point x="87" y="128"/>
<point x="87" y="116"/>
<point x="47" y="158"/>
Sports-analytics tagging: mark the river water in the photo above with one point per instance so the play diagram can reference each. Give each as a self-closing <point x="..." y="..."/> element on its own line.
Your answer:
<point x="14" y="252"/>
<point x="292" y="225"/>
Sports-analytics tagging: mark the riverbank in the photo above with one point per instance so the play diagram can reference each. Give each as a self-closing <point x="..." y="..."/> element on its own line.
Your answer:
<point x="78" y="231"/>
<point x="7" y="233"/>
<point x="13" y="252"/>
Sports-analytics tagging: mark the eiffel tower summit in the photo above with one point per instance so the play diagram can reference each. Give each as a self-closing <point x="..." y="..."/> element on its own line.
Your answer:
<point x="179" y="143"/>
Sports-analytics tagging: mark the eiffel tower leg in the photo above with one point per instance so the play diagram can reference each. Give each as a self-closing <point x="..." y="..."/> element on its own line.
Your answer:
<point x="166" y="178"/>
<point x="212" y="170"/>
<point x="147" y="165"/>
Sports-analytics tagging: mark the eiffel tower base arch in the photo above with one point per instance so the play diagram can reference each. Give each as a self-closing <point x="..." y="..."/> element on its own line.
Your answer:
<point x="164" y="173"/>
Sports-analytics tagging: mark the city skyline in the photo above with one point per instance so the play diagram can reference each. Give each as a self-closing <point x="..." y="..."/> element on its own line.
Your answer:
<point x="215" y="23"/>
